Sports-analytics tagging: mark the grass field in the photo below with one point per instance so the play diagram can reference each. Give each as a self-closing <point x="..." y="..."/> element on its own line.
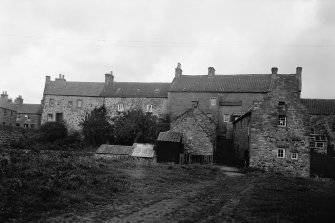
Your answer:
<point x="74" y="187"/>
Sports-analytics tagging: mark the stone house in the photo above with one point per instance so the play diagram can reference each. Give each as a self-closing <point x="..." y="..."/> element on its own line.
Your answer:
<point x="28" y="115"/>
<point x="7" y="110"/>
<point x="199" y="135"/>
<point x="69" y="101"/>
<point x="274" y="134"/>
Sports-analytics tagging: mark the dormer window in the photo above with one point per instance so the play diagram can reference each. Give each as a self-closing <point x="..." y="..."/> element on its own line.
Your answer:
<point x="149" y="108"/>
<point x="282" y="120"/>
<point x="120" y="108"/>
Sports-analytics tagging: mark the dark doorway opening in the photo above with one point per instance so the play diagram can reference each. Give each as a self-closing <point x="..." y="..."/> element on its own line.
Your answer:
<point x="59" y="117"/>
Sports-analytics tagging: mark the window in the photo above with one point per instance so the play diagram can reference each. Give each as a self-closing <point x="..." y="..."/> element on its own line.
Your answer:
<point x="281" y="153"/>
<point x="51" y="102"/>
<point x="25" y="125"/>
<point x="319" y="144"/>
<point x="79" y="103"/>
<point x="282" y="120"/>
<point x="294" y="156"/>
<point x="18" y="118"/>
<point x="120" y="108"/>
<point x="281" y="105"/>
<point x="27" y="117"/>
<point x="213" y="101"/>
<point x="195" y="104"/>
<point x="70" y="104"/>
<point x="149" y="108"/>
<point x="312" y="131"/>
<point x="226" y="118"/>
<point x="312" y="144"/>
<point x="50" y="118"/>
<point x="18" y="124"/>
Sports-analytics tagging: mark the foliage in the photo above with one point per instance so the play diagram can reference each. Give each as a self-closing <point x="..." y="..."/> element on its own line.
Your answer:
<point x="96" y="126"/>
<point x="52" y="131"/>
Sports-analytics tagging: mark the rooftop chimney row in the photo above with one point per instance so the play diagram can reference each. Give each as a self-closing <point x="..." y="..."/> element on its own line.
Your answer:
<point x="178" y="70"/>
<point x="211" y="71"/>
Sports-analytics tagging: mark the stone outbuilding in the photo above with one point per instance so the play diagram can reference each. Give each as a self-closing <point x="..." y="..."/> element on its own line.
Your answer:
<point x="169" y="147"/>
<point x="199" y="135"/>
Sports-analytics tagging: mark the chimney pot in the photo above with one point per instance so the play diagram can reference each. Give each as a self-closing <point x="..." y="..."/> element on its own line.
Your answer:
<point x="211" y="71"/>
<point x="178" y="70"/>
<point x="299" y="70"/>
<point x="274" y="70"/>
<point x="109" y="78"/>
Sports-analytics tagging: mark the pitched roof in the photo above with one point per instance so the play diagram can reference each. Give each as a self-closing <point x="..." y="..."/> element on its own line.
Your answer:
<point x="7" y="105"/>
<point x="222" y="83"/>
<point x="136" y="89"/>
<point x="114" y="149"/>
<point x="170" y="136"/>
<point x="30" y="109"/>
<point x="69" y="88"/>
<point x="143" y="150"/>
<point x="320" y="106"/>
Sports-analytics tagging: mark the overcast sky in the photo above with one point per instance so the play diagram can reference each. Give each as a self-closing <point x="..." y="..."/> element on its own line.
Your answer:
<point x="144" y="40"/>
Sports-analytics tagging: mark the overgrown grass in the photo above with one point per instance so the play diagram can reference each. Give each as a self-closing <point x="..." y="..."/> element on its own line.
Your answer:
<point x="32" y="183"/>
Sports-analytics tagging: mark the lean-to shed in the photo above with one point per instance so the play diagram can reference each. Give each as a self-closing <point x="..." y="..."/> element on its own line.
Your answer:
<point x="169" y="146"/>
<point x="114" y="151"/>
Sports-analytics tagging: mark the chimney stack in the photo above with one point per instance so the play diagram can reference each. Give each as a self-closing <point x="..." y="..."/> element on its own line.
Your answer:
<point x="178" y="70"/>
<point x="60" y="78"/>
<point x="19" y="100"/>
<point x="211" y="71"/>
<point x="298" y="73"/>
<point x="274" y="70"/>
<point x="4" y="95"/>
<point x="47" y="80"/>
<point x="109" y="78"/>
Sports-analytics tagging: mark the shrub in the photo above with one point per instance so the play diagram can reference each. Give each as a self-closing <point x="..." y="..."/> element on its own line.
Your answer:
<point x="52" y="131"/>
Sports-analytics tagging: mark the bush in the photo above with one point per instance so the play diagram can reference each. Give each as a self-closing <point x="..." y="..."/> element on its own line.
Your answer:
<point x="52" y="131"/>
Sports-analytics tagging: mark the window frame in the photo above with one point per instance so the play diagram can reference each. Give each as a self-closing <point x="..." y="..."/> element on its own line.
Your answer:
<point x="79" y="102"/>
<point x="120" y="107"/>
<point x="312" y="144"/>
<point x="149" y="108"/>
<point x="226" y="118"/>
<point x="212" y="101"/>
<point x="294" y="156"/>
<point x="48" y="117"/>
<point x="195" y="104"/>
<point x="316" y="145"/>
<point x="280" y="154"/>
<point x="285" y="120"/>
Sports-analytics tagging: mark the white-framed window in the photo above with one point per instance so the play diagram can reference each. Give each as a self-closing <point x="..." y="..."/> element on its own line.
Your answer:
<point x="319" y="144"/>
<point x="213" y="101"/>
<point x="149" y="108"/>
<point x="27" y="117"/>
<point x="195" y="104"/>
<point x="281" y="153"/>
<point x="282" y="120"/>
<point x="312" y="144"/>
<point x="294" y="156"/>
<point x="50" y="117"/>
<point x="70" y="104"/>
<point x="79" y="103"/>
<point x="120" y="108"/>
<point x="18" y="118"/>
<point x="51" y="102"/>
<point x="226" y="117"/>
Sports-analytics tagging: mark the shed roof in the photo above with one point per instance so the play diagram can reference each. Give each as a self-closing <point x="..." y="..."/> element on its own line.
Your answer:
<point x="136" y="89"/>
<point x="30" y="109"/>
<point x="143" y="150"/>
<point x="222" y="83"/>
<point x="320" y="106"/>
<point x="69" y="88"/>
<point x="114" y="149"/>
<point x="170" y="136"/>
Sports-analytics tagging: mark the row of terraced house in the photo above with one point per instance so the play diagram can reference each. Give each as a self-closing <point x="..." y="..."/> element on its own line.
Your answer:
<point x="260" y="119"/>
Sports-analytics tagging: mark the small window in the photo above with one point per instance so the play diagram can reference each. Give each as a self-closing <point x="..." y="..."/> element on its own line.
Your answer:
<point x="294" y="156"/>
<point x="50" y="118"/>
<point x="319" y="145"/>
<point x="281" y="153"/>
<point x="281" y="105"/>
<point x="226" y="117"/>
<point x="282" y="120"/>
<point x="51" y="102"/>
<point x="312" y="144"/>
<point x="149" y="108"/>
<point x="70" y="104"/>
<point x="79" y="103"/>
<point x="195" y="104"/>
<point x="25" y="126"/>
<point x="120" y="108"/>
<point x="312" y="131"/>
<point x="18" y="118"/>
<point x="213" y="101"/>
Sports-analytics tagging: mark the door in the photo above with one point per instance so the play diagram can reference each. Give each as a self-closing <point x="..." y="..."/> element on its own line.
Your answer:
<point x="59" y="117"/>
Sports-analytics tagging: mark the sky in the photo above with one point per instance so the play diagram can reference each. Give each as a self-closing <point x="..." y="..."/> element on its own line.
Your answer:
<point x="143" y="40"/>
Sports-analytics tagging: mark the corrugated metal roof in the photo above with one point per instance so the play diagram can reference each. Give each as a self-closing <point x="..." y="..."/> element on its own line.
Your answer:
<point x="136" y="89"/>
<point x="143" y="150"/>
<point x="222" y="83"/>
<point x="30" y="109"/>
<point x="320" y="106"/>
<point x="170" y="136"/>
<point x="114" y="149"/>
<point x="70" y="88"/>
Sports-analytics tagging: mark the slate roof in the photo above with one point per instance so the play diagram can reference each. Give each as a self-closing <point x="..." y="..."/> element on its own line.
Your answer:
<point x="136" y="89"/>
<point x="320" y="106"/>
<point x="170" y="136"/>
<point x="222" y="83"/>
<point x="143" y="150"/>
<point x="7" y="105"/>
<point x="114" y="149"/>
<point x="30" y="109"/>
<point x="69" y="88"/>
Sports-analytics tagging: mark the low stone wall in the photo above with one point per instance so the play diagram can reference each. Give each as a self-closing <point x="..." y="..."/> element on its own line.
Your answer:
<point x="9" y="134"/>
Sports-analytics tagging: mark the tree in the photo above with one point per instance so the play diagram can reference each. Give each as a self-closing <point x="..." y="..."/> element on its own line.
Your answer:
<point x="96" y="127"/>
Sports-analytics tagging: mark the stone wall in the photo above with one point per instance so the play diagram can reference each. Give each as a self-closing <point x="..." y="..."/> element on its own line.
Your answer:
<point x="159" y="105"/>
<point x="199" y="132"/>
<point x="267" y="137"/>
<point x="9" y="134"/>
<point x="7" y="116"/>
<point x="71" y="114"/>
